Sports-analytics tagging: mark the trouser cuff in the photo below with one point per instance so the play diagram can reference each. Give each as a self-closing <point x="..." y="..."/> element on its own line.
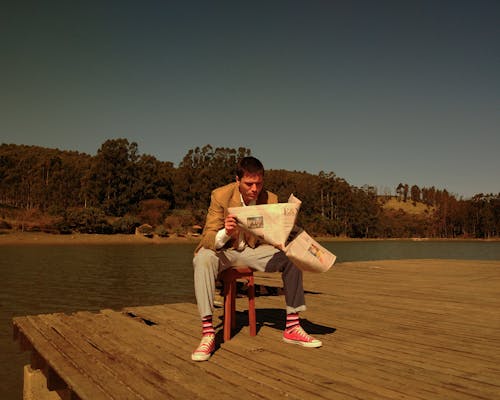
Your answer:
<point x="291" y="310"/>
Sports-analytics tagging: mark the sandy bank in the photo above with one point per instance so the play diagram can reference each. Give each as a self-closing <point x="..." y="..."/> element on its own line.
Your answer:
<point x="20" y="238"/>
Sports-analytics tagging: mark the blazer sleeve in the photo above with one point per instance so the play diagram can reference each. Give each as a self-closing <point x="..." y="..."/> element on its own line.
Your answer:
<point x="214" y="222"/>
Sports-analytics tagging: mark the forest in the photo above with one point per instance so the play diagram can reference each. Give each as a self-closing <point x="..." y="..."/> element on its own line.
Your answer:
<point x="119" y="189"/>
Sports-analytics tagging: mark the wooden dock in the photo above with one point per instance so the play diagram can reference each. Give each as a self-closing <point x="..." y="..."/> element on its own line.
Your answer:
<point x="417" y="329"/>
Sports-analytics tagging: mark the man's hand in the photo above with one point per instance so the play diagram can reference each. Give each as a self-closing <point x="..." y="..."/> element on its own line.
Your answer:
<point x="231" y="226"/>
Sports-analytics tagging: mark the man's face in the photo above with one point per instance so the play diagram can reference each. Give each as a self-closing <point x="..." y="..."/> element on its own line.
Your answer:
<point x="250" y="186"/>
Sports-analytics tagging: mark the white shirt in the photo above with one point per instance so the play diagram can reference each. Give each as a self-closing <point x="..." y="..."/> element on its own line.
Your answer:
<point x="222" y="237"/>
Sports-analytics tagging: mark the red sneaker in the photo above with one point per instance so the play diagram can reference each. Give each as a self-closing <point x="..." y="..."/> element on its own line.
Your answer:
<point x="297" y="335"/>
<point x="205" y="349"/>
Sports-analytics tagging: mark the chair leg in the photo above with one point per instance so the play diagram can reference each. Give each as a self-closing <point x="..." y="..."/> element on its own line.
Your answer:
<point x="228" y="293"/>
<point x="252" y="320"/>
<point x="229" y="280"/>
<point x="233" y="304"/>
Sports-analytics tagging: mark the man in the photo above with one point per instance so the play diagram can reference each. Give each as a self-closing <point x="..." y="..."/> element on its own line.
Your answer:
<point x="223" y="245"/>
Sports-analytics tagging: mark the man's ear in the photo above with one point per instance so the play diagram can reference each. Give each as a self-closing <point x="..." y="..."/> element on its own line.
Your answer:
<point x="237" y="179"/>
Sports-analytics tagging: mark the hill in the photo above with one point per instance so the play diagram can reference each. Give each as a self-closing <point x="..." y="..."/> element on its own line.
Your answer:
<point x="409" y="207"/>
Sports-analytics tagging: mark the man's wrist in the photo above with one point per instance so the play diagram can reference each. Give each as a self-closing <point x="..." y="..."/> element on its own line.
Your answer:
<point x="221" y="238"/>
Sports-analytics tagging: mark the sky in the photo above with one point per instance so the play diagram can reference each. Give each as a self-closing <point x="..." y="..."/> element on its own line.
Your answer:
<point x="377" y="92"/>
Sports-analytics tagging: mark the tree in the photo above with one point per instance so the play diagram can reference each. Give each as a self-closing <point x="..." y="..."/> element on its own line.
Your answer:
<point x="154" y="179"/>
<point x="112" y="181"/>
<point x="415" y="193"/>
<point x="399" y="191"/>
<point x="405" y="192"/>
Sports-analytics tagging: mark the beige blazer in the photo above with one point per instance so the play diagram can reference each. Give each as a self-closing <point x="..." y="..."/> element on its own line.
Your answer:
<point x="222" y="198"/>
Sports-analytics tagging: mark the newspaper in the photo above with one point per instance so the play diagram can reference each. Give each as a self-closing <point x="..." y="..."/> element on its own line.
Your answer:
<point x="275" y="224"/>
<point x="270" y="222"/>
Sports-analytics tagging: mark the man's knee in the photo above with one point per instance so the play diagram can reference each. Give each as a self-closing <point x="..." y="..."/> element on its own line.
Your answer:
<point x="205" y="258"/>
<point x="279" y="262"/>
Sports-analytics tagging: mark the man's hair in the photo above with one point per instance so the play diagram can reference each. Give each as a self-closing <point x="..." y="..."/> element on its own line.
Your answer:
<point x="249" y="165"/>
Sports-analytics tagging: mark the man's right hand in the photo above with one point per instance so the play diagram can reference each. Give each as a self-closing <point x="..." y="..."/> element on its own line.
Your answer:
<point x="231" y="226"/>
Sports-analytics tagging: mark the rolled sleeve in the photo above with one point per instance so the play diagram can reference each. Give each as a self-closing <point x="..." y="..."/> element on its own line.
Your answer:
<point x="221" y="238"/>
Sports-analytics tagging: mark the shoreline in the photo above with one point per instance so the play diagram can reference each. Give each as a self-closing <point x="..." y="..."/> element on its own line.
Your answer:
<point x="42" y="238"/>
<point x="29" y="238"/>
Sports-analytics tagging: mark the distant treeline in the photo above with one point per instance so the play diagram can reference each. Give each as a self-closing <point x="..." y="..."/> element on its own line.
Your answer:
<point x="119" y="189"/>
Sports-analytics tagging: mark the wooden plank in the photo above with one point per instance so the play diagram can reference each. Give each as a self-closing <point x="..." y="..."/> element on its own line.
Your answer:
<point x="156" y="353"/>
<point x="60" y="362"/>
<point x="114" y="366"/>
<point x="286" y="370"/>
<point x="96" y="363"/>
<point x="261" y="375"/>
<point x="321" y="361"/>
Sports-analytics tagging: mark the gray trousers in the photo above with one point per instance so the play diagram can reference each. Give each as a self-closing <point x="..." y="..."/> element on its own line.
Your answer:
<point x="208" y="264"/>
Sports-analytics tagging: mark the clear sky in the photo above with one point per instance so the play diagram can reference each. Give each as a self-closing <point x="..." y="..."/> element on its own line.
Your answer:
<point x="378" y="92"/>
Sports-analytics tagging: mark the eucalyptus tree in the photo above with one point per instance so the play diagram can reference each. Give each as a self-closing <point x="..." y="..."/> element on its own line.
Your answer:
<point x="111" y="183"/>
<point x="365" y="212"/>
<point x="415" y="193"/>
<point x="154" y="179"/>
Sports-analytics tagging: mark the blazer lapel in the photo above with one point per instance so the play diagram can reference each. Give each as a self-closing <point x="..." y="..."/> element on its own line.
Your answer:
<point x="235" y="200"/>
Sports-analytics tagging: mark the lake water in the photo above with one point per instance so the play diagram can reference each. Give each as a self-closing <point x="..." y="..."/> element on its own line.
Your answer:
<point x="42" y="279"/>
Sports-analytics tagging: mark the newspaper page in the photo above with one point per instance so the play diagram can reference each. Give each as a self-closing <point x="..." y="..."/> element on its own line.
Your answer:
<point x="270" y="222"/>
<point x="307" y="254"/>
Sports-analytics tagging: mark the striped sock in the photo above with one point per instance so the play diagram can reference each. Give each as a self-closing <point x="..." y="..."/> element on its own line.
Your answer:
<point x="292" y="320"/>
<point x="206" y="325"/>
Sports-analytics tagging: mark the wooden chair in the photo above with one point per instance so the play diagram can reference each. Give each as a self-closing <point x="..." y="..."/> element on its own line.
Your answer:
<point x="229" y="278"/>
